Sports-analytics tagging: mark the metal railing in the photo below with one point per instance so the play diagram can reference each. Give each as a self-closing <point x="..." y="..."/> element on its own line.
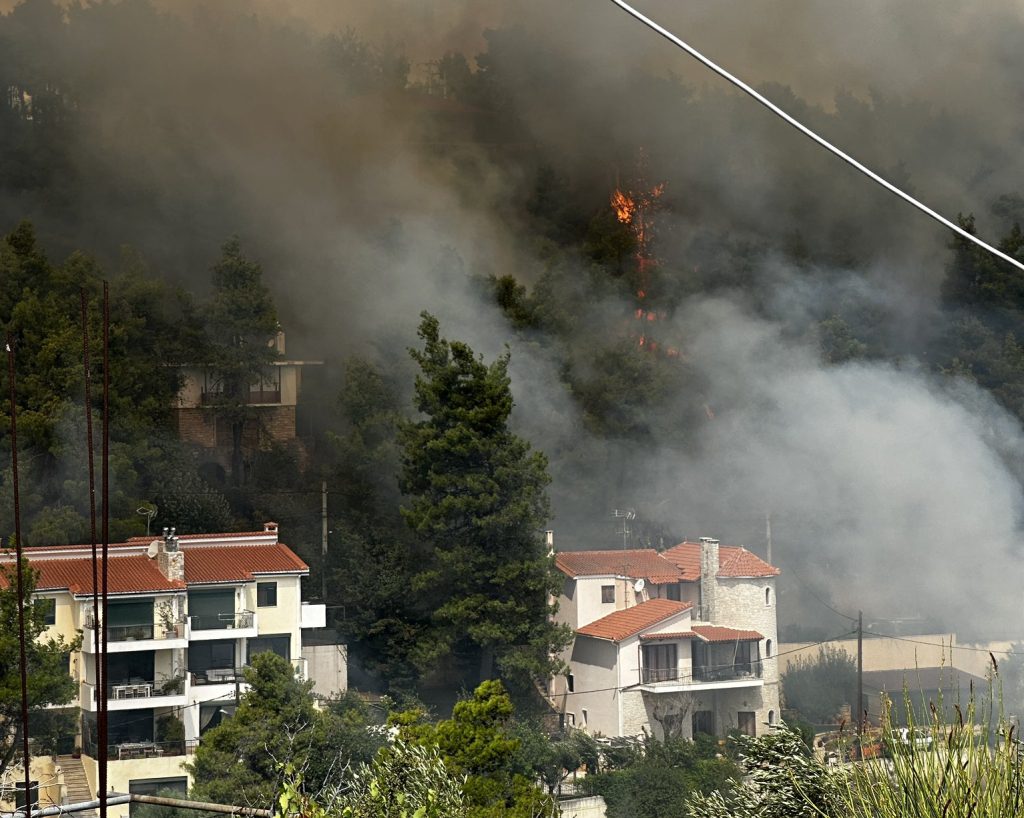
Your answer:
<point x="146" y="630"/>
<point x="223" y="621"/>
<point x="141" y="689"/>
<point x="725" y="673"/>
<point x="217" y="675"/>
<point x="702" y="673"/>
<point x="151" y="749"/>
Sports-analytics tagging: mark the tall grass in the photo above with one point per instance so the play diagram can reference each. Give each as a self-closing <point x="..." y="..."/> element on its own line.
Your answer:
<point x="972" y="768"/>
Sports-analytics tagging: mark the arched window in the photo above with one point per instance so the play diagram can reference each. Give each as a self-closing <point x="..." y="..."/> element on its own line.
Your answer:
<point x="771" y="717"/>
<point x="767" y="596"/>
<point x="768" y="649"/>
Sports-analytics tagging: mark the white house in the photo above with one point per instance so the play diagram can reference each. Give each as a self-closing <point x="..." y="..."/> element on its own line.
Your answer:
<point x="185" y="615"/>
<point x="672" y="643"/>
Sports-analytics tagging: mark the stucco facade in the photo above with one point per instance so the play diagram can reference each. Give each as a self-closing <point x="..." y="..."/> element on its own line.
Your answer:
<point x="665" y="648"/>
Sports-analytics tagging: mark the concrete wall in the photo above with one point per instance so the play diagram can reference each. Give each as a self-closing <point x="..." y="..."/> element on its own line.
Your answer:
<point x="596" y="687"/>
<point x="741" y="604"/>
<point x="327" y="666"/>
<point x="46" y="772"/>
<point x="923" y="650"/>
<point x="590" y="807"/>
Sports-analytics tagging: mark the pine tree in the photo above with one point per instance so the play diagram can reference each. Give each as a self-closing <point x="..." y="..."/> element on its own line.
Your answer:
<point x="477" y="501"/>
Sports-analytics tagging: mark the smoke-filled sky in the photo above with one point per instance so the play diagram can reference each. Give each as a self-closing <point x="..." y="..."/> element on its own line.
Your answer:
<point x="889" y="490"/>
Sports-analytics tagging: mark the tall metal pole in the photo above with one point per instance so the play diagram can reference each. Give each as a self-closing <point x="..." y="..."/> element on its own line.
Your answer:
<point x="768" y="536"/>
<point x="860" y="685"/>
<point x="27" y="758"/>
<point x="323" y="541"/>
<point x="104" y="723"/>
<point x="97" y="653"/>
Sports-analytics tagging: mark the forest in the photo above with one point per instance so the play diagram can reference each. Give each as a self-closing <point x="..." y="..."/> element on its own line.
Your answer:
<point x="779" y="339"/>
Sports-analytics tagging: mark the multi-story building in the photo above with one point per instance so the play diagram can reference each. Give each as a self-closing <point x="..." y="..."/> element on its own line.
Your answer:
<point x="185" y="616"/>
<point x="672" y="643"/>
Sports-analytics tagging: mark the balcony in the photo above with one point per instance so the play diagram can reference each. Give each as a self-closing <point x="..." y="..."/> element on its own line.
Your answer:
<point x="215" y="626"/>
<point x="138" y="693"/>
<point x="131" y="750"/>
<point x="145" y="636"/>
<point x="254" y="397"/>
<point x="702" y="677"/>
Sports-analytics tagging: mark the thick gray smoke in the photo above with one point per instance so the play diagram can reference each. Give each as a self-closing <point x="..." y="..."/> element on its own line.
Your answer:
<point x="890" y="490"/>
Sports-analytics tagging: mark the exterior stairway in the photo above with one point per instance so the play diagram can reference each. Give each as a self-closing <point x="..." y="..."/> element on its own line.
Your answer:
<point x="76" y="785"/>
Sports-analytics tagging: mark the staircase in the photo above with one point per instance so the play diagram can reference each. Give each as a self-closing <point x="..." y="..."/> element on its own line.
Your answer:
<point x="76" y="784"/>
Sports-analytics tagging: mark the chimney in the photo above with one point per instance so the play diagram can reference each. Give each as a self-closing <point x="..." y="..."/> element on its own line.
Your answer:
<point x="270" y="528"/>
<point x="708" y="579"/>
<point x="169" y="558"/>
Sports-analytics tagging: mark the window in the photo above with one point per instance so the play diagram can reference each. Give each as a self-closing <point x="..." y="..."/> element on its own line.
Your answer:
<point x="768" y="649"/>
<point x="672" y="592"/>
<point x="659" y="663"/>
<point x="771" y="718"/>
<point x="607" y="593"/>
<point x="212" y="610"/>
<point x="704" y="722"/>
<point x="47" y="606"/>
<point x="266" y="594"/>
<point x="571" y="682"/>
<point x="767" y="596"/>
<point x="747" y="722"/>
<point x="171" y="787"/>
<point x="211" y="715"/>
<point x="583" y="722"/>
<point x="19" y="794"/>
<point x="280" y="643"/>
<point x="130" y="620"/>
<point x="570" y="719"/>
<point x="215" y="654"/>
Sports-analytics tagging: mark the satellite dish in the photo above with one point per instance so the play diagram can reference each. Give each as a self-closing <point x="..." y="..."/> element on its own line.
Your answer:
<point x="638" y="586"/>
<point x="151" y="551"/>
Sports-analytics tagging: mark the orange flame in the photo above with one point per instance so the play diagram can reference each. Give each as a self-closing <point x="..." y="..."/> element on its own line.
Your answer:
<point x="624" y="206"/>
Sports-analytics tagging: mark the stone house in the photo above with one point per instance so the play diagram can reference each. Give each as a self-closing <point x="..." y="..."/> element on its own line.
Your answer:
<point x="672" y="643"/>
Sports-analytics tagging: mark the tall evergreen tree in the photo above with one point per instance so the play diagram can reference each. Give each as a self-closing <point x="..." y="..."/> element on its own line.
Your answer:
<point x="477" y="501"/>
<point x="241" y="324"/>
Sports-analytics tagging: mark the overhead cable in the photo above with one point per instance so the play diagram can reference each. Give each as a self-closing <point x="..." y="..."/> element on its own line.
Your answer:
<point x="775" y="109"/>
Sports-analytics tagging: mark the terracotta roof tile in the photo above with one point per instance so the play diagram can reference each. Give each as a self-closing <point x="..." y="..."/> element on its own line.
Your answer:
<point x="638" y="563"/>
<point x="648" y="637"/>
<point x="134" y="574"/>
<point x="715" y="633"/>
<point x="622" y="624"/>
<point x="733" y="561"/>
<point x="239" y="563"/>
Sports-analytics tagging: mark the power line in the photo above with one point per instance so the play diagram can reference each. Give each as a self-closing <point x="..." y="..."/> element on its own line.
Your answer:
<point x="951" y="647"/>
<point x="771" y="106"/>
<point x="803" y="584"/>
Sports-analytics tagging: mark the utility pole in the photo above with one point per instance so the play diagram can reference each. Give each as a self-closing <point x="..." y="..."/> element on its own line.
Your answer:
<point x="860" y="685"/>
<point x="323" y="541"/>
<point x="768" y="535"/>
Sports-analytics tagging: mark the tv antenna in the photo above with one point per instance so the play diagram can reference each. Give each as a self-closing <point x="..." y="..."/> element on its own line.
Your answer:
<point x="624" y="514"/>
<point x="149" y="512"/>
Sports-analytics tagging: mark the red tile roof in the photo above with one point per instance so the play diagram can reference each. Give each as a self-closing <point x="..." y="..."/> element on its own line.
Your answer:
<point x="646" y="637"/>
<point x="733" y="561"/>
<point x="639" y="563"/>
<point x="239" y="563"/>
<point x="714" y="633"/>
<point x="138" y="574"/>
<point x="125" y="575"/>
<point x="622" y="624"/>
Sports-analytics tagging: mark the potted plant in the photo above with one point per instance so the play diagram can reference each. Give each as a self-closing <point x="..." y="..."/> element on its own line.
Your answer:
<point x="165" y="613"/>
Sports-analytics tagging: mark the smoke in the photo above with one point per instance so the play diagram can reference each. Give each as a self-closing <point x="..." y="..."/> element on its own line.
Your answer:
<point x="888" y="487"/>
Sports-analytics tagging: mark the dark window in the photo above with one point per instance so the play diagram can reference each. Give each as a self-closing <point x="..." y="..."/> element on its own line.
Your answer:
<point x="281" y="644"/>
<point x="129" y="726"/>
<point x="130" y="620"/>
<point x="704" y="722"/>
<point x="168" y="787"/>
<point x="212" y="610"/>
<point x="219" y="654"/>
<point x="747" y="722"/>
<point x="768" y="649"/>
<point x="767" y="596"/>
<point x="607" y="593"/>
<point x="48" y="608"/>
<point x="571" y="683"/>
<point x="19" y="794"/>
<point x="672" y="592"/>
<point x="211" y="715"/>
<point x="266" y="594"/>
<point x="130" y="668"/>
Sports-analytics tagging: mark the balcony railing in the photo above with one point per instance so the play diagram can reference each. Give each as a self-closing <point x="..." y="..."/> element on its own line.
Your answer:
<point x="151" y="749"/>
<point x="217" y="675"/>
<point x="127" y="633"/>
<point x="141" y="689"/>
<point x="726" y="673"/>
<point x="252" y="397"/>
<point x="222" y="621"/>
<point x="702" y="673"/>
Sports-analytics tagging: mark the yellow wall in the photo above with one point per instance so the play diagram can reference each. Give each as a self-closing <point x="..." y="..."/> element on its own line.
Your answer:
<point x="46" y="772"/>
<point x="283" y="617"/>
<point x="121" y="773"/>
